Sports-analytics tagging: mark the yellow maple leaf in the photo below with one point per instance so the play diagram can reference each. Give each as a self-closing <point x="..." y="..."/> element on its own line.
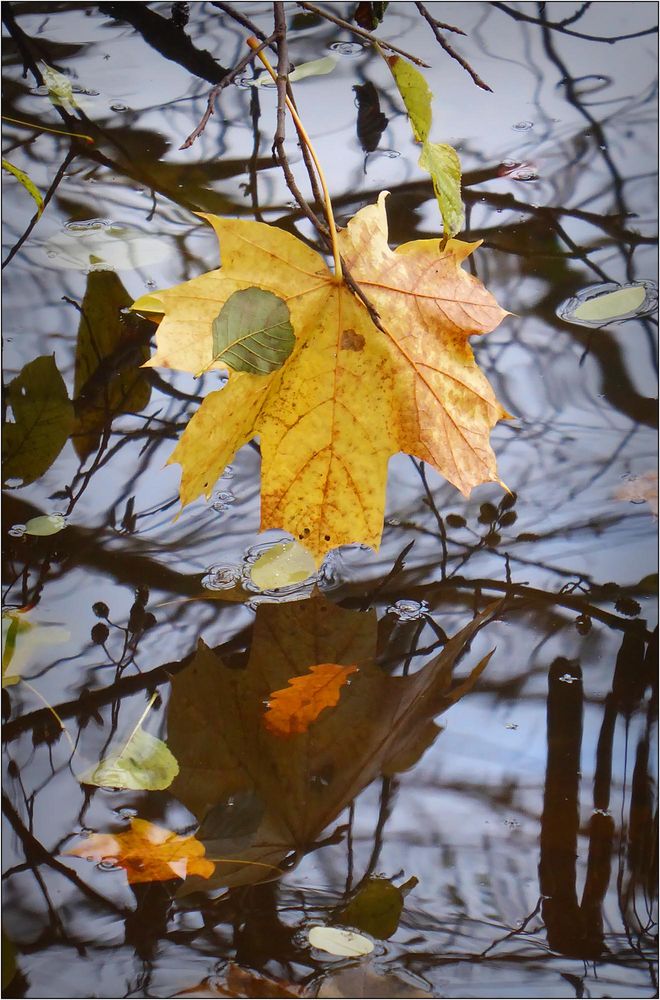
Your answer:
<point x="350" y="395"/>
<point x="147" y="852"/>
<point x="292" y="709"/>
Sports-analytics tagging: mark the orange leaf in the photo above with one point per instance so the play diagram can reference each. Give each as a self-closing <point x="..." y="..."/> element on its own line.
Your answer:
<point x="292" y="709"/>
<point x="147" y="852"/>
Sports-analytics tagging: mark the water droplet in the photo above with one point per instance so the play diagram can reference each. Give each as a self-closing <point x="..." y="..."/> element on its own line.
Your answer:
<point x="349" y="49"/>
<point x="220" y="577"/>
<point x="222" y="500"/>
<point x="117" y="106"/>
<point x="523" y="126"/>
<point x="607" y="303"/>
<point x="568" y="679"/>
<point x="17" y="530"/>
<point x="409" y="611"/>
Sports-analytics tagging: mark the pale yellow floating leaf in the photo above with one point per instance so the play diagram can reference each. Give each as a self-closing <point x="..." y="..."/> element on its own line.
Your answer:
<point x="341" y="942"/>
<point x="611" y="305"/>
<point x="416" y="95"/>
<point x="46" y="524"/>
<point x="316" y="67"/>
<point x="281" y="566"/>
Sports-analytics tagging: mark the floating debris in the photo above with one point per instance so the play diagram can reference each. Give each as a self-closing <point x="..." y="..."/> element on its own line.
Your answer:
<point x="349" y="49"/>
<point x="523" y="126"/>
<point x="221" y="577"/>
<point x="409" y="611"/>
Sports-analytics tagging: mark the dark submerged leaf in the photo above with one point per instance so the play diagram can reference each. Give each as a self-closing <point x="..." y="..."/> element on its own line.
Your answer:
<point x="253" y="333"/>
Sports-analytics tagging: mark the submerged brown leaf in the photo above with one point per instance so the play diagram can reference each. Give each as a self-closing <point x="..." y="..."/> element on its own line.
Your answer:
<point x="292" y="789"/>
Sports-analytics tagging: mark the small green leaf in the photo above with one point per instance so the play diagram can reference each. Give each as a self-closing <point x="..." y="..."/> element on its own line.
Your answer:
<point x="46" y="524"/>
<point x="337" y="941"/>
<point x="43" y="420"/>
<point x="20" y="638"/>
<point x="376" y="908"/>
<point x="281" y="566"/>
<point x="612" y="305"/>
<point x="27" y="183"/>
<point x="253" y="332"/>
<point x="144" y="763"/>
<point x="415" y="93"/>
<point x="444" y="166"/>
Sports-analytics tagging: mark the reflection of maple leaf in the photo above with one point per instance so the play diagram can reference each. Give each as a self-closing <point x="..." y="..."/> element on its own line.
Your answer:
<point x="292" y="709"/>
<point x="288" y="791"/>
<point x="349" y="395"/>
<point x="147" y="852"/>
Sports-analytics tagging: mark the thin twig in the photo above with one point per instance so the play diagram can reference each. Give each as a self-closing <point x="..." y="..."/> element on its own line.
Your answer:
<point x="435" y="27"/>
<point x="241" y="19"/>
<point x="213" y="95"/>
<point x="347" y="26"/>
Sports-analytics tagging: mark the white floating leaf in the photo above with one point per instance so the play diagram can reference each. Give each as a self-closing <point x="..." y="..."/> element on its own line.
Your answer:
<point x="47" y="524"/>
<point x="282" y="565"/>
<point x="337" y="941"/>
<point x="602" y="308"/>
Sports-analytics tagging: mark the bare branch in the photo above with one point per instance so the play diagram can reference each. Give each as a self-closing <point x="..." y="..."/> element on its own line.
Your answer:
<point x="347" y="26"/>
<point x="435" y="27"/>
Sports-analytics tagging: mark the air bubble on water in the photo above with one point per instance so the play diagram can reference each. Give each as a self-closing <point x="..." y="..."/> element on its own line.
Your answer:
<point x="117" y="106"/>
<point x="222" y="500"/>
<point x="527" y="174"/>
<point x="221" y="577"/>
<point x="523" y="126"/>
<point x="150" y="283"/>
<point x="242" y="82"/>
<point x="393" y="522"/>
<point x="109" y="865"/>
<point x="392" y="154"/>
<point x="13" y="482"/>
<point x="87" y="225"/>
<point x="228" y="473"/>
<point x="17" y="530"/>
<point x="409" y="611"/>
<point x="125" y="812"/>
<point x="51" y="253"/>
<point x="349" y="49"/>
<point x="568" y="679"/>
<point x="510" y="725"/>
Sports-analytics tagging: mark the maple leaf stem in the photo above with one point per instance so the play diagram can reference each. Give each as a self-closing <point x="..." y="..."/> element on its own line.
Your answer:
<point x="304" y="138"/>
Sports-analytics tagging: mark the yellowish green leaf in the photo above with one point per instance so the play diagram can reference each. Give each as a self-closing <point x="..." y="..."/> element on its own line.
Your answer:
<point x="316" y="67"/>
<point x="60" y="88"/>
<point x="42" y="421"/>
<point x="142" y="762"/>
<point x="444" y="166"/>
<point x="416" y="95"/>
<point x="21" y="638"/>
<point x="281" y="566"/>
<point x="611" y="305"/>
<point x="46" y="524"/>
<point x="27" y="183"/>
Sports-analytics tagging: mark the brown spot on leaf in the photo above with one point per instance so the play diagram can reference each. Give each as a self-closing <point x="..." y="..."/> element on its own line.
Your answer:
<point x="351" y="341"/>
